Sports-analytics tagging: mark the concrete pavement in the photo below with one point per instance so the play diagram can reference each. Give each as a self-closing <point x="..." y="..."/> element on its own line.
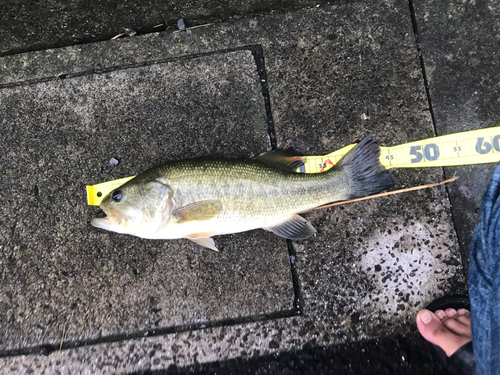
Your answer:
<point x="315" y="79"/>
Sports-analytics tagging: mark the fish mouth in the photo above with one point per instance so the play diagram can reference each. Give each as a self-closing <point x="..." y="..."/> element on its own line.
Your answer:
<point x="112" y="221"/>
<point x="102" y="222"/>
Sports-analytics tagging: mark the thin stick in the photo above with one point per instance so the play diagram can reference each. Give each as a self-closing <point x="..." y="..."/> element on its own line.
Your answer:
<point x="117" y="36"/>
<point x="195" y="27"/>
<point x="384" y="194"/>
<point x="161" y="14"/>
<point x="62" y="339"/>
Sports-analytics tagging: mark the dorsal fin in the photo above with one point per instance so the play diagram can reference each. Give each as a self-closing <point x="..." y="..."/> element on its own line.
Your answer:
<point x="287" y="160"/>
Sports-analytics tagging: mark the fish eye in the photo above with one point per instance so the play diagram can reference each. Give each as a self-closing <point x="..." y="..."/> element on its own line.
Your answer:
<point x="117" y="195"/>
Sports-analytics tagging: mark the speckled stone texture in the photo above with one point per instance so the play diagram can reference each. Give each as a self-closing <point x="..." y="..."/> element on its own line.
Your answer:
<point x="334" y="74"/>
<point x="460" y="42"/>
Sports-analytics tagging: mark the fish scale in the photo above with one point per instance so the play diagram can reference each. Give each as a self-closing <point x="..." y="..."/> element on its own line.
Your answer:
<point x="249" y="190"/>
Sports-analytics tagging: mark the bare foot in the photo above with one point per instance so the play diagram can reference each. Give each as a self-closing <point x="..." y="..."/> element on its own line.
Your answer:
<point x="449" y="329"/>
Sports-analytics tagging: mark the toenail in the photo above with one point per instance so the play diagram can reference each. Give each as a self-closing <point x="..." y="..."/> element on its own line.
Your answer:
<point x="426" y="317"/>
<point x="440" y="314"/>
<point x="463" y="312"/>
<point x="451" y="312"/>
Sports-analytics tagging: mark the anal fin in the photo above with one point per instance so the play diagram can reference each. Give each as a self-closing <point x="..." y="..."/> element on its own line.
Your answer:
<point x="295" y="228"/>
<point x="203" y="239"/>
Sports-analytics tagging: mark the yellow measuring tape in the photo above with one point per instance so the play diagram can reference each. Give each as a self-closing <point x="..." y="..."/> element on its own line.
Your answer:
<point x="472" y="147"/>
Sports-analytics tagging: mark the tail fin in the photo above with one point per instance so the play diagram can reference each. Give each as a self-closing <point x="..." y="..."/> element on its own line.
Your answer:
<point x="363" y="170"/>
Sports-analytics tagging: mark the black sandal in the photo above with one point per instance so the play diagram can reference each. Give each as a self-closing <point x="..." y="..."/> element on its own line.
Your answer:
<point x="462" y="362"/>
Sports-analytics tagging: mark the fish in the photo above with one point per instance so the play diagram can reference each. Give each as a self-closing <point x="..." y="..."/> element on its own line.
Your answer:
<point x="200" y="198"/>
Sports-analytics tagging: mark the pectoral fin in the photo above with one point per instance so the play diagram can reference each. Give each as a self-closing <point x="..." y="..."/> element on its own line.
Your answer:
<point x="295" y="228"/>
<point x="203" y="239"/>
<point x="198" y="211"/>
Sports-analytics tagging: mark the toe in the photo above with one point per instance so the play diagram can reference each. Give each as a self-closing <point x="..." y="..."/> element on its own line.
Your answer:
<point x="464" y="319"/>
<point x="429" y="325"/>
<point x="450" y="312"/>
<point x="463" y="312"/>
<point x="433" y="330"/>
<point x="455" y="325"/>
<point x="440" y="314"/>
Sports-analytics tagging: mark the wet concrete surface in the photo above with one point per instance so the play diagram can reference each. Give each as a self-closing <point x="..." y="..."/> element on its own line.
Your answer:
<point x="414" y="358"/>
<point x="331" y="75"/>
<point x="36" y="25"/>
<point x="60" y="273"/>
<point x="390" y="255"/>
<point x="460" y="47"/>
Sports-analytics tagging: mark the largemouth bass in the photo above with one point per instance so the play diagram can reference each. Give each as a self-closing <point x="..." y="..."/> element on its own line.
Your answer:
<point x="200" y="198"/>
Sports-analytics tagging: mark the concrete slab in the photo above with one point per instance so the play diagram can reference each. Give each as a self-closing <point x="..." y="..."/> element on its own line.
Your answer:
<point x="373" y="264"/>
<point x="63" y="278"/>
<point x="387" y="257"/>
<point x="28" y="26"/>
<point x="460" y="45"/>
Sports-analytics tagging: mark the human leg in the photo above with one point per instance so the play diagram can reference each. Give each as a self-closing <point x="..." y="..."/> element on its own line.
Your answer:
<point x="484" y="281"/>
